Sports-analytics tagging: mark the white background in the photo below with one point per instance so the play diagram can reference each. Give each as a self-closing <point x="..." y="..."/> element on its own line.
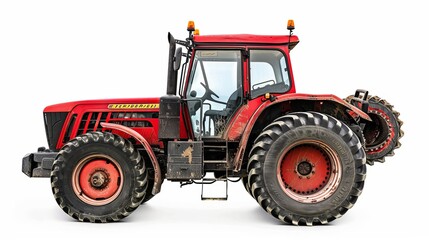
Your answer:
<point x="55" y="51"/>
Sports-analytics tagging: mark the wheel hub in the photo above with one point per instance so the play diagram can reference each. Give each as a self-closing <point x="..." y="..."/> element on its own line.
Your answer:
<point x="99" y="179"/>
<point x="304" y="168"/>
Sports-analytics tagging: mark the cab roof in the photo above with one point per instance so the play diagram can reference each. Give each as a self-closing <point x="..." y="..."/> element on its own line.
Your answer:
<point x="248" y="39"/>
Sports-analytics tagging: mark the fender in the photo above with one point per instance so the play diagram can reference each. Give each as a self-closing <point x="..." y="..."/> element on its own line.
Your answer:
<point x="157" y="181"/>
<point x="250" y="122"/>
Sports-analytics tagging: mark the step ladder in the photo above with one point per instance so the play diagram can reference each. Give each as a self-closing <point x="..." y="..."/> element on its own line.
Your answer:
<point x="223" y="146"/>
<point x="206" y="181"/>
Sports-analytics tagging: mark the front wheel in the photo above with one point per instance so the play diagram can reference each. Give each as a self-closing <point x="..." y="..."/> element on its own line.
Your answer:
<point x="307" y="168"/>
<point x="99" y="177"/>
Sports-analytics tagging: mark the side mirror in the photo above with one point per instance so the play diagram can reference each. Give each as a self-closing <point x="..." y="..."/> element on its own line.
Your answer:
<point x="177" y="59"/>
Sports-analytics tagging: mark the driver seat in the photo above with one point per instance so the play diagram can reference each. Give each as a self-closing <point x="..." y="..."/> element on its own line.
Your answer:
<point x="219" y="117"/>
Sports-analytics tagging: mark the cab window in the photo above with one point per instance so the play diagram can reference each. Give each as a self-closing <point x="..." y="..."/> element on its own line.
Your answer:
<point x="268" y="72"/>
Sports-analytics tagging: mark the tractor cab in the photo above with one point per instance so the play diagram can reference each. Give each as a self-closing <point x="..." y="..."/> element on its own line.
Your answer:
<point x="224" y="80"/>
<point x="222" y="73"/>
<point x="216" y="87"/>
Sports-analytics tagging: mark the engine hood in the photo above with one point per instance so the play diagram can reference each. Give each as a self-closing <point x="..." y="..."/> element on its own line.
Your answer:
<point x="107" y="104"/>
<point x="65" y="121"/>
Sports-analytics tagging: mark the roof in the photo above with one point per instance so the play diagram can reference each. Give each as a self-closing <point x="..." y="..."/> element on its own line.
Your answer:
<point x="246" y="39"/>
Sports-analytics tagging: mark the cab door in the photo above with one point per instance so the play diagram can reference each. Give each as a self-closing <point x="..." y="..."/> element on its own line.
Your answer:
<point x="214" y="90"/>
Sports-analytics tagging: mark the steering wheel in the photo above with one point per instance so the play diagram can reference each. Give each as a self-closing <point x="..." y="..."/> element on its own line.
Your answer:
<point x="208" y="95"/>
<point x="195" y="105"/>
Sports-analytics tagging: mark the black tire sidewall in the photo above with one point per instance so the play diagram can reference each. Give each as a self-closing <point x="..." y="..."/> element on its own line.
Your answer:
<point x="273" y="159"/>
<point x="69" y="164"/>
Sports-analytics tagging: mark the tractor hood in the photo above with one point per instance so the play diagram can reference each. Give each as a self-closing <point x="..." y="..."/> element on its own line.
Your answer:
<point x="65" y="121"/>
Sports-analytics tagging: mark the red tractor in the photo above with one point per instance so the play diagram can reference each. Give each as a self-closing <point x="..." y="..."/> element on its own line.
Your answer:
<point x="233" y="114"/>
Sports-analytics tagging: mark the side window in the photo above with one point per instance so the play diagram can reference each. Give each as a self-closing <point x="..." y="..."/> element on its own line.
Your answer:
<point x="262" y="74"/>
<point x="268" y="72"/>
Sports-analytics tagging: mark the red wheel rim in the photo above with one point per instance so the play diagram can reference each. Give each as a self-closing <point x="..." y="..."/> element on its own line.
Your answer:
<point x="309" y="171"/>
<point x="97" y="179"/>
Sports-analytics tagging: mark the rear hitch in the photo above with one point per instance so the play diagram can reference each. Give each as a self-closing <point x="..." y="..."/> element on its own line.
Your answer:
<point x="360" y="100"/>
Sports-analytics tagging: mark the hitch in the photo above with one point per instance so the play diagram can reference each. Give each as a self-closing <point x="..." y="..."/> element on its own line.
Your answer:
<point x="360" y="100"/>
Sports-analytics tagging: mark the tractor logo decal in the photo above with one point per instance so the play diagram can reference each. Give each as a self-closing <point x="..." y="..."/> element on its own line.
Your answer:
<point x="134" y="106"/>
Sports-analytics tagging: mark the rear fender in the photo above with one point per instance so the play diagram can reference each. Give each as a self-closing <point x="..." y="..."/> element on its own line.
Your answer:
<point x="268" y="111"/>
<point x="158" y="180"/>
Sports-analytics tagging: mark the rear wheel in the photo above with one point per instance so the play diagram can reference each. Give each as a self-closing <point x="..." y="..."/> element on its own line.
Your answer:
<point x="99" y="177"/>
<point x="307" y="168"/>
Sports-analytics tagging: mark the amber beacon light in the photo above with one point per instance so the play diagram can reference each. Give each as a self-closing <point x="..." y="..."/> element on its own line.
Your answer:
<point x="290" y="24"/>
<point x="191" y="26"/>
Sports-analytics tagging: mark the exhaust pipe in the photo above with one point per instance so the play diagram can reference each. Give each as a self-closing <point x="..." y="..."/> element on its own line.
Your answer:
<point x="172" y="74"/>
<point x="169" y="107"/>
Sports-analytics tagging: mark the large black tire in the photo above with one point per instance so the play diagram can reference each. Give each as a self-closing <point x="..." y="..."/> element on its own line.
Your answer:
<point x="383" y="133"/>
<point x="307" y="168"/>
<point x="99" y="177"/>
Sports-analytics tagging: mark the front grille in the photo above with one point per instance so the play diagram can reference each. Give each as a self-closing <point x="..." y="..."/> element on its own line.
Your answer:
<point x="91" y="120"/>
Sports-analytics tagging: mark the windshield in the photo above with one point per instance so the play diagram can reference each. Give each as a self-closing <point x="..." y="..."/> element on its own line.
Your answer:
<point x="268" y="72"/>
